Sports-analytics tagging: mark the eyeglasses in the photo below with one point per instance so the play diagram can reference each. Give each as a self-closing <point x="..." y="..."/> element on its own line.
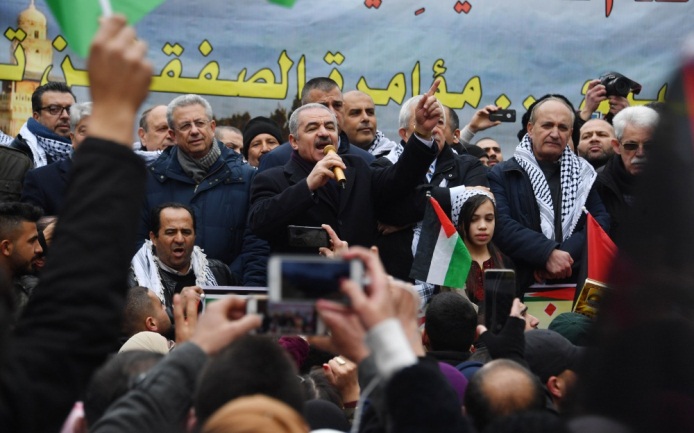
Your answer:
<point x="55" y="110"/>
<point x="186" y="127"/>
<point x="631" y="147"/>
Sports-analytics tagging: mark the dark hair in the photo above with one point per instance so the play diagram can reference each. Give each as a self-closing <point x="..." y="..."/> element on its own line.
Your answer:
<point x="137" y="307"/>
<point x="323" y="84"/>
<point x="51" y="86"/>
<point x="451" y="322"/>
<point x="155" y="215"/>
<point x="468" y="211"/>
<point x="12" y="214"/>
<point x="315" y="358"/>
<point x="317" y="387"/>
<point x="452" y="118"/>
<point x="114" y="379"/>
<point x="526" y="117"/>
<point x="483" y="408"/>
<point x="464" y="221"/>
<point x="250" y="365"/>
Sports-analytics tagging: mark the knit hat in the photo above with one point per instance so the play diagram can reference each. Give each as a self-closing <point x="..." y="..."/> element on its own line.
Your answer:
<point x="297" y="347"/>
<point x="455" y="378"/>
<point x="572" y="326"/>
<point x="549" y="354"/>
<point x="256" y="126"/>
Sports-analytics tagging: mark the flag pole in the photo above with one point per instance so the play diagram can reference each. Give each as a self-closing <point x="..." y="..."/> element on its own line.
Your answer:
<point x="106" y="9"/>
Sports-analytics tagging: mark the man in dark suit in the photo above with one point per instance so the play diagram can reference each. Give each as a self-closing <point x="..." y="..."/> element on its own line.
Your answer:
<point x="45" y="186"/>
<point x="305" y="192"/>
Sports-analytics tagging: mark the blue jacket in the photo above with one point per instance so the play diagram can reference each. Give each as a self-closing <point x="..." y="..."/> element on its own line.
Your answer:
<point x="518" y="234"/>
<point x="220" y="203"/>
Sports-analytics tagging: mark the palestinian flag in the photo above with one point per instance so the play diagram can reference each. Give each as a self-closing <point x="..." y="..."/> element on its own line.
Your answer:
<point x="79" y="19"/>
<point x="601" y="251"/>
<point x="441" y="256"/>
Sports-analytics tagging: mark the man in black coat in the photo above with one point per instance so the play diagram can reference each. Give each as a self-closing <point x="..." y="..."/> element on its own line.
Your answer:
<point x="304" y="191"/>
<point x="540" y="195"/>
<point x="448" y="171"/>
<point x="45" y="186"/>
<point x="634" y="127"/>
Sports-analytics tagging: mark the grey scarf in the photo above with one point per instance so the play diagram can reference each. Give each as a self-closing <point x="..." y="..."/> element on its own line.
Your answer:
<point x="197" y="168"/>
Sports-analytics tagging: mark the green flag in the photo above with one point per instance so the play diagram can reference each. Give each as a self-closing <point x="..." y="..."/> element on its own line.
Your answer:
<point x="285" y="3"/>
<point x="79" y="19"/>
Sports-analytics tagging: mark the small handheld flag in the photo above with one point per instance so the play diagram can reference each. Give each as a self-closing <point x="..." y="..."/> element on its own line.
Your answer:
<point x="441" y="256"/>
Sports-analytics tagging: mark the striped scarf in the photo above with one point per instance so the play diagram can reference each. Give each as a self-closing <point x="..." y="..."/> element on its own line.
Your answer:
<point x="576" y="178"/>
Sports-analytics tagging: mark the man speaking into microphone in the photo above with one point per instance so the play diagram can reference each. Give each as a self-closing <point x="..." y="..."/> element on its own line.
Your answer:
<point x="306" y="192"/>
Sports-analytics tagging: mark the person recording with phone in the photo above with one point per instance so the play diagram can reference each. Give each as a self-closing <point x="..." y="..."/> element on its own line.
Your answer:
<point x="306" y="191"/>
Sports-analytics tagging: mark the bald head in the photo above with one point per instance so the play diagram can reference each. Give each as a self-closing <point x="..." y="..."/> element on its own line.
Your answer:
<point x="359" y="118"/>
<point x="501" y="388"/>
<point x="595" y="143"/>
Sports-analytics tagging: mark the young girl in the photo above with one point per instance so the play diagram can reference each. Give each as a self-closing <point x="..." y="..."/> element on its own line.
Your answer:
<point x="476" y="227"/>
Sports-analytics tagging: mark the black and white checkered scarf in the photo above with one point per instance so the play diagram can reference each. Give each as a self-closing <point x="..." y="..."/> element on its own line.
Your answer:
<point x="45" y="145"/>
<point x="576" y="179"/>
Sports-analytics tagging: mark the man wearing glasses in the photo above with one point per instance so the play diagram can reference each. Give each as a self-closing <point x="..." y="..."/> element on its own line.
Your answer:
<point x="202" y="173"/>
<point x="633" y="127"/>
<point x="45" y="137"/>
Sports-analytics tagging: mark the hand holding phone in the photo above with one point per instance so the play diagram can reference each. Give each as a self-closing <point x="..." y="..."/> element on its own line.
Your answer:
<point x="308" y="237"/>
<point x="503" y="116"/>
<point x="499" y="292"/>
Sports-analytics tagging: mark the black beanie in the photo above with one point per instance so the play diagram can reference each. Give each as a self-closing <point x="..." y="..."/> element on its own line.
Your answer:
<point x="256" y="126"/>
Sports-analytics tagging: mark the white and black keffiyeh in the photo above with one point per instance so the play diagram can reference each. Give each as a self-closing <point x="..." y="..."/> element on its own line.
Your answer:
<point x="382" y="146"/>
<point x="576" y="179"/>
<point x="145" y="265"/>
<point x="459" y="195"/>
<point x="44" y="143"/>
<point x="5" y="139"/>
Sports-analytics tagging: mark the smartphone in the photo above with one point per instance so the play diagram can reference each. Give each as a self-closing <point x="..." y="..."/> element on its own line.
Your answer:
<point x="306" y="278"/>
<point x="213" y="293"/>
<point x="499" y="292"/>
<point x="503" y="115"/>
<point x="308" y="237"/>
<point x="286" y="317"/>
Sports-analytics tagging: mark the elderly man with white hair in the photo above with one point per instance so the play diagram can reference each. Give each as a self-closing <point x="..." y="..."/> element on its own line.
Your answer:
<point x="633" y="129"/>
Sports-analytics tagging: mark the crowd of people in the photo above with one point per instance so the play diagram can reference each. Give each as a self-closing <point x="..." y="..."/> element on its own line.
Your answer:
<point x="106" y="248"/>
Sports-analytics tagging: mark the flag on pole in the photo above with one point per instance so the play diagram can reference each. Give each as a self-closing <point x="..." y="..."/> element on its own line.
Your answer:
<point x="441" y="256"/>
<point x="601" y="251"/>
<point x="79" y="19"/>
<point x="285" y="3"/>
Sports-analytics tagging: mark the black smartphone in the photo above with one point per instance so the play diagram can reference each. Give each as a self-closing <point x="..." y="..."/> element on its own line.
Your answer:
<point x="499" y="292"/>
<point x="503" y="115"/>
<point x="308" y="237"/>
